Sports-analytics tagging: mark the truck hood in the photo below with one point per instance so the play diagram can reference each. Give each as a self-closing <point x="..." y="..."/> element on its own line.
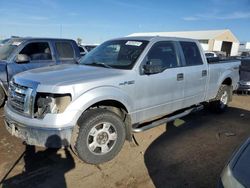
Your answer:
<point x="62" y="75"/>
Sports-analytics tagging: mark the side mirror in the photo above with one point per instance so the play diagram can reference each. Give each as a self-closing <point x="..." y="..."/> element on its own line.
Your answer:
<point x="22" y="58"/>
<point x="153" y="66"/>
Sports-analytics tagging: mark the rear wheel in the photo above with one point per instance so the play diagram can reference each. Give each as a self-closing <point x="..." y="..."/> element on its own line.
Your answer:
<point x="2" y="97"/>
<point x="100" y="136"/>
<point x="219" y="104"/>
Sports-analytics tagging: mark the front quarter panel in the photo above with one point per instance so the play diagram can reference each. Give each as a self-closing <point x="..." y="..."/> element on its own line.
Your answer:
<point x="93" y="96"/>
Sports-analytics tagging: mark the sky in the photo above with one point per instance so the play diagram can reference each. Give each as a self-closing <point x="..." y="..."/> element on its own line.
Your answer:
<point x="95" y="21"/>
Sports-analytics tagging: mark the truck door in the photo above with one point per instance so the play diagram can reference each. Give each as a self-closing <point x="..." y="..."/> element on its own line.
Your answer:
<point x="194" y="72"/>
<point x="39" y="54"/>
<point x="160" y="93"/>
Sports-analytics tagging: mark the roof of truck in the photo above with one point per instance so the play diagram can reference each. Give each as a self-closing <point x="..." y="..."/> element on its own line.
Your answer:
<point x="37" y="38"/>
<point x="153" y="37"/>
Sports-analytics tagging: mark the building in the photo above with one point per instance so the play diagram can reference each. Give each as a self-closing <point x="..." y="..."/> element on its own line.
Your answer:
<point x="210" y="40"/>
<point x="244" y="46"/>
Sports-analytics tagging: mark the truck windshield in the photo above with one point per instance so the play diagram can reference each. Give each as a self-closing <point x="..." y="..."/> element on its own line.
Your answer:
<point x="121" y="54"/>
<point x="7" y="49"/>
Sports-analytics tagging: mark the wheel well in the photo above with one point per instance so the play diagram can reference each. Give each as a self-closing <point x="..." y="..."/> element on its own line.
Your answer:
<point x="120" y="110"/>
<point x="110" y="105"/>
<point x="227" y="81"/>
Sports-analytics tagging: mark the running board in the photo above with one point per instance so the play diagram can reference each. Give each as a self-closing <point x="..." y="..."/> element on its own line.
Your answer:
<point x="166" y="119"/>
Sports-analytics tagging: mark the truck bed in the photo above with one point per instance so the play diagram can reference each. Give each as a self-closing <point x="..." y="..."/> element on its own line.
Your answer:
<point x="216" y="72"/>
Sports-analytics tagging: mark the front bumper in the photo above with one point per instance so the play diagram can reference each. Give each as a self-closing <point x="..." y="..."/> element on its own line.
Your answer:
<point x="52" y="133"/>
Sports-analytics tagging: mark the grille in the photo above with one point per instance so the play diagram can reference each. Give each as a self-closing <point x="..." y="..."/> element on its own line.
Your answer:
<point x="19" y="97"/>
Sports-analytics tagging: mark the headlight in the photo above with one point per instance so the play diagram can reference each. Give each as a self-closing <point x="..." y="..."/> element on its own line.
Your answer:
<point x="51" y="103"/>
<point x="228" y="180"/>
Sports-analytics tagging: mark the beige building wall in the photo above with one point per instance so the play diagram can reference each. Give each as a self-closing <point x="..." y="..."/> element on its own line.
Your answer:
<point x="210" y="44"/>
<point x="204" y="46"/>
<point x="227" y="36"/>
<point x="235" y="49"/>
<point x="215" y="44"/>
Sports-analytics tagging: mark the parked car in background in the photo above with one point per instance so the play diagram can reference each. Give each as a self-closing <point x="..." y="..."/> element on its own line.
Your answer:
<point x="245" y="54"/>
<point x="237" y="172"/>
<point x="84" y="49"/>
<point x="210" y="54"/>
<point x="21" y="54"/>
<point x="2" y="42"/>
<point x="244" y="83"/>
<point x="219" y="54"/>
<point x="124" y="86"/>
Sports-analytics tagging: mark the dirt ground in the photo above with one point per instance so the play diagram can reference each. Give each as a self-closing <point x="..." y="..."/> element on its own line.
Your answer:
<point x="190" y="152"/>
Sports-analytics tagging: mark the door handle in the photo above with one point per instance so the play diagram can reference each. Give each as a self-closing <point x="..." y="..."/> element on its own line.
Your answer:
<point x="204" y="73"/>
<point x="180" y="76"/>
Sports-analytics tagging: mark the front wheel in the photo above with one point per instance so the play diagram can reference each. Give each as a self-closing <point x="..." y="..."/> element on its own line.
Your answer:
<point x="100" y="137"/>
<point x="219" y="104"/>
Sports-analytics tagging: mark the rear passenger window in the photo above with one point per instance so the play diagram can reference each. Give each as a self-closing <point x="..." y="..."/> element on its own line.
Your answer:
<point x="191" y="53"/>
<point x="65" y="50"/>
<point x="163" y="53"/>
<point x="37" y="51"/>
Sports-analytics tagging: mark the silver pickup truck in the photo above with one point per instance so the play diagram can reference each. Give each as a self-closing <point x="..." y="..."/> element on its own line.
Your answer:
<point x="123" y="86"/>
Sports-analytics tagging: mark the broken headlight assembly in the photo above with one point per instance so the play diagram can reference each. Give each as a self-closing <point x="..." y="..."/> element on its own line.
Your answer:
<point x="47" y="103"/>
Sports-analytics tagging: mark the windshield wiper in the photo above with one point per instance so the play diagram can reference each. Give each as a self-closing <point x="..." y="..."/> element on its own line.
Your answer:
<point x="102" y="64"/>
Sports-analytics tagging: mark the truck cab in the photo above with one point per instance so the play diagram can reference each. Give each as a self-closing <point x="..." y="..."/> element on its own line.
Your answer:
<point x="21" y="54"/>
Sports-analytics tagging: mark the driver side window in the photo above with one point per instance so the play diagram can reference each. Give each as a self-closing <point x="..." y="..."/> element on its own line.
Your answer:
<point x="37" y="51"/>
<point x="164" y="54"/>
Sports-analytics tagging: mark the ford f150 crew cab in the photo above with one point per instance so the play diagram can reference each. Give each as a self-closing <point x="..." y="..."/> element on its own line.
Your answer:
<point x="21" y="54"/>
<point x="123" y="86"/>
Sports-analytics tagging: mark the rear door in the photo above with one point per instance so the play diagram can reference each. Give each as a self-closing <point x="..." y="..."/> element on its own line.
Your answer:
<point x="161" y="93"/>
<point x="39" y="53"/>
<point x="195" y="73"/>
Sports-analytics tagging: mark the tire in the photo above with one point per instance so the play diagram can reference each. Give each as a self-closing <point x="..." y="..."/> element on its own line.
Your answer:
<point x="100" y="136"/>
<point x="2" y="97"/>
<point x="219" y="104"/>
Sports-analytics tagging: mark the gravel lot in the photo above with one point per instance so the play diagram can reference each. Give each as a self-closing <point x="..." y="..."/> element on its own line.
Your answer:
<point x="190" y="152"/>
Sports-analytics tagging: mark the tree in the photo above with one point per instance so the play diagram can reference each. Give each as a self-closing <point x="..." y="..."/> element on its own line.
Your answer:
<point x="79" y="41"/>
